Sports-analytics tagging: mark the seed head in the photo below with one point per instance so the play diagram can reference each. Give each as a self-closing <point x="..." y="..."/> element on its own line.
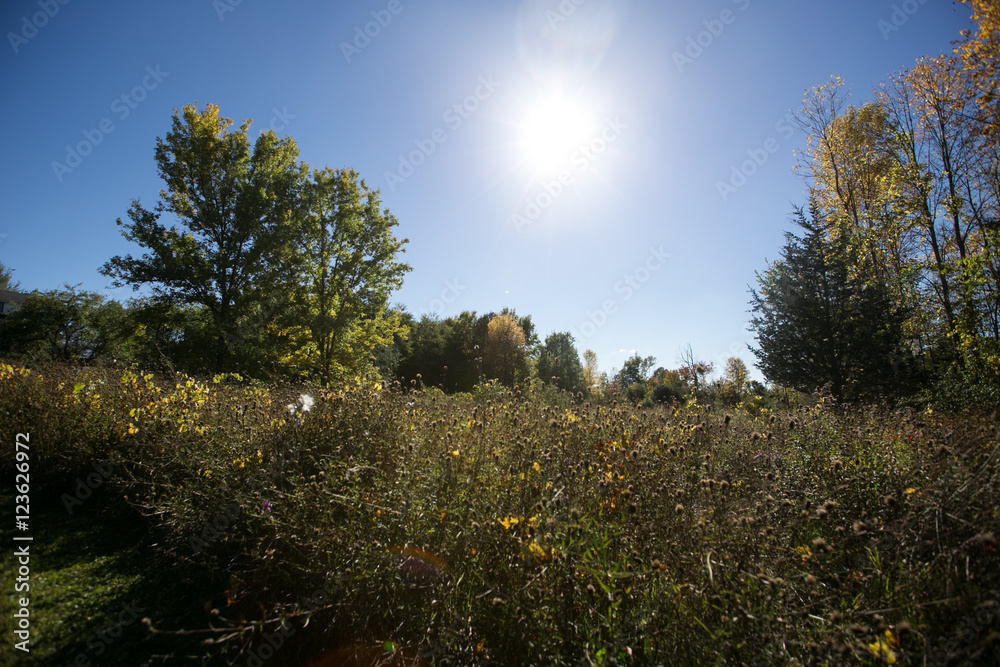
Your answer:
<point x="820" y="543"/>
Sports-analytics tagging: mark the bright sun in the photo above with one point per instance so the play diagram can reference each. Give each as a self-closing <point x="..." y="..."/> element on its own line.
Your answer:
<point x="553" y="128"/>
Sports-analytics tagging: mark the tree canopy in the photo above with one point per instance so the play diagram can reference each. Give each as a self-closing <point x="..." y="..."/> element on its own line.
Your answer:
<point x="274" y="267"/>
<point x="346" y="268"/>
<point x="234" y="205"/>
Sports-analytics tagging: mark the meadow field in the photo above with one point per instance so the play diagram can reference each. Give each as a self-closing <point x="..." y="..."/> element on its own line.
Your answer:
<point x="218" y="520"/>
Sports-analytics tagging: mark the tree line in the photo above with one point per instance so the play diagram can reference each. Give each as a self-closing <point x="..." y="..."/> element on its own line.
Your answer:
<point x="454" y="354"/>
<point x="891" y="284"/>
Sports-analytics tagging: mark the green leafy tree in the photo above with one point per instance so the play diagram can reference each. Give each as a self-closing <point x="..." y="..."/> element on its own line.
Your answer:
<point x="169" y="336"/>
<point x="667" y="386"/>
<point x="389" y="356"/>
<point x="426" y="352"/>
<point x="234" y="205"/>
<point x="7" y="281"/>
<point x="820" y="322"/>
<point x="67" y="324"/>
<point x="466" y="341"/>
<point x="559" y="363"/>
<point x="633" y="377"/>
<point x="347" y="268"/>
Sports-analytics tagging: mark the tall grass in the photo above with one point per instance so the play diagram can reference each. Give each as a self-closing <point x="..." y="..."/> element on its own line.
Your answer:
<point x="503" y="529"/>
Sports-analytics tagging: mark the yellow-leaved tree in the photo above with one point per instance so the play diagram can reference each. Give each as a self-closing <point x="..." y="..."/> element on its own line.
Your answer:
<point x="506" y="353"/>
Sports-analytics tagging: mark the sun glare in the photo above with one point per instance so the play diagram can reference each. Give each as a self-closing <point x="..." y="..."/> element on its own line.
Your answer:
<point x="552" y="129"/>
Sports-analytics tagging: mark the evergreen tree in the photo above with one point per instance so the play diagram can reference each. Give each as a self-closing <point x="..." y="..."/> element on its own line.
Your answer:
<point x="821" y="321"/>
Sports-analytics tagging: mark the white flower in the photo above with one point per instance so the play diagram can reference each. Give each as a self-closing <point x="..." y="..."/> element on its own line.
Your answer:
<point x="304" y="403"/>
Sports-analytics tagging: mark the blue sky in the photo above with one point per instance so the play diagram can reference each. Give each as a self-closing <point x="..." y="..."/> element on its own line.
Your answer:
<point x="560" y="158"/>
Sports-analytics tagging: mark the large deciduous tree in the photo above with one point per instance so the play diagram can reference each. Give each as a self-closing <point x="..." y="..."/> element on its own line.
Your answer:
<point x="591" y="371"/>
<point x="347" y="268"/>
<point x="233" y="203"/>
<point x="909" y="181"/>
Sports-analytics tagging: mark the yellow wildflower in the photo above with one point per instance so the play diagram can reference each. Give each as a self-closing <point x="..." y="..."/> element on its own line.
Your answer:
<point x="509" y="521"/>
<point x="883" y="648"/>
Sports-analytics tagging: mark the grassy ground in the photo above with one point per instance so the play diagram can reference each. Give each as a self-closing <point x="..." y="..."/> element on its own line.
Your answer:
<point x="94" y="576"/>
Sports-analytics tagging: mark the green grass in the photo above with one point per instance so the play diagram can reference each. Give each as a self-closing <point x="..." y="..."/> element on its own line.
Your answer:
<point x="86" y="570"/>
